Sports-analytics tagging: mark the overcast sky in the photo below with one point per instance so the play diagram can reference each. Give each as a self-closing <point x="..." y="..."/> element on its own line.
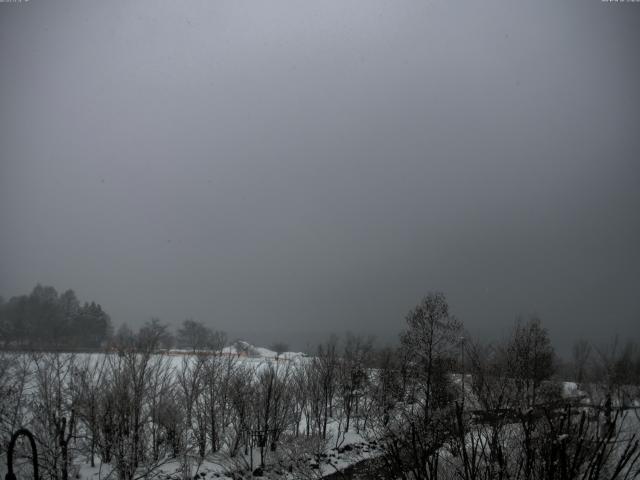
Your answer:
<point x="302" y="166"/>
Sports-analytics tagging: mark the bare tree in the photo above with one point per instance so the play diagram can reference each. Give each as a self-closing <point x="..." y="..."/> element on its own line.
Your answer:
<point x="581" y="354"/>
<point x="55" y="405"/>
<point x="129" y="411"/>
<point x="273" y="407"/>
<point x="352" y="375"/>
<point x="216" y="407"/>
<point x="415" y="434"/>
<point x="530" y="357"/>
<point x="431" y="338"/>
<point x="300" y="386"/>
<point x="326" y="365"/>
<point x="90" y="378"/>
<point x="197" y="336"/>
<point x="190" y="387"/>
<point x="154" y="335"/>
<point x="241" y="389"/>
<point x="162" y="415"/>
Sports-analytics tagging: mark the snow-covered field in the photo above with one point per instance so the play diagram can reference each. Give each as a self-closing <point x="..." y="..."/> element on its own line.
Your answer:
<point x="297" y="455"/>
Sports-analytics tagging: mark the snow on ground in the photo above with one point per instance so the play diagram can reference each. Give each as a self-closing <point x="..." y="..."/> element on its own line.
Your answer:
<point x="341" y="450"/>
<point x="243" y="351"/>
<point x="337" y="456"/>
<point x="242" y="348"/>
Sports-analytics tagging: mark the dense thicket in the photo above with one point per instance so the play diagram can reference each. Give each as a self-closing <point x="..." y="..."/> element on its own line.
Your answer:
<point x="46" y="319"/>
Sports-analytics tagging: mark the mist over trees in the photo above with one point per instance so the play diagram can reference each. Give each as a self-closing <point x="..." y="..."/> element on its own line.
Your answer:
<point x="196" y="336"/>
<point x="46" y="319"/>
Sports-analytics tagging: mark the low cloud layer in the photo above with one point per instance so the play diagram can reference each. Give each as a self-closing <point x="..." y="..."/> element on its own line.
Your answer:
<point x="298" y="167"/>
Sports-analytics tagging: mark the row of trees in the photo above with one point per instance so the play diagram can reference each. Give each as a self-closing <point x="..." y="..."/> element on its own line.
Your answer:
<point x="507" y="416"/>
<point x="46" y="319"/>
<point x="191" y="335"/>
<point x="439" y="406"/>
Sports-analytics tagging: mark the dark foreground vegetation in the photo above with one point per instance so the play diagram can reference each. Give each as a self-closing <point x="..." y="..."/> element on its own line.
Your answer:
<point x="439" y="406"/>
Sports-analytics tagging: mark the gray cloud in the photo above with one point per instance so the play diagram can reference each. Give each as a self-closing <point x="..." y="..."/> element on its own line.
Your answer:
<point x="313" y="166"/>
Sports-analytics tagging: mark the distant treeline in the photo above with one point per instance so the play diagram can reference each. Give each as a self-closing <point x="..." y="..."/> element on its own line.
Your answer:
<point x="46" y="319"/>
